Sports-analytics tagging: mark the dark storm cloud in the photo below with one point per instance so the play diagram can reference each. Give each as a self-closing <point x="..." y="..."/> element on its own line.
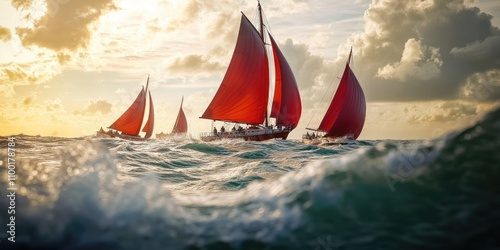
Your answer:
<point x="423" y="50"/>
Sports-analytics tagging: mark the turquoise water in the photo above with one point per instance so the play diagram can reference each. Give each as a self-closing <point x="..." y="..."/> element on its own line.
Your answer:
<point x="89" y="193"/>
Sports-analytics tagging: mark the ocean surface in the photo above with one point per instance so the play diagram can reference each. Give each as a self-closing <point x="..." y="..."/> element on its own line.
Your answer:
<point x="91" y="193"/>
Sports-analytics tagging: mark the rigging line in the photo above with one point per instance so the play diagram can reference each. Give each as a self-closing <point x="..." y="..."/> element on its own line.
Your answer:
<point x="266" y="22"/>
<point x="254" y="17"/>
<point x="255" y="20"/>
<point x="325" y="93"/>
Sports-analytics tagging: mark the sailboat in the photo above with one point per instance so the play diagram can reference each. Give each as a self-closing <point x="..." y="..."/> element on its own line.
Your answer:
<point x="244" y="94"/>
<point x="345" y="117"/>
<point x="180" y="126"/>
<point x="128" y="125"/>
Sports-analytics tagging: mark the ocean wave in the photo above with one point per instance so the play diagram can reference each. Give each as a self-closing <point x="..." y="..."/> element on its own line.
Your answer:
<point x="111" y="194"/>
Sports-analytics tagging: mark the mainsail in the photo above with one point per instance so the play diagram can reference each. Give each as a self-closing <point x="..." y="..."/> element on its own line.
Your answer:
<point x="130" y="122"/>
<point x="180" y="125"/>
<point x="347" y="111"/>
<point x="243" y="95"/>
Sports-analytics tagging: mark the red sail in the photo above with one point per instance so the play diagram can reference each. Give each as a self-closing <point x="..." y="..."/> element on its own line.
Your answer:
<point x="130" y="122"/>
<point x="287" y="106"/>
<point x="346" y="114"/>
<point x="148" y="128"/>
<point x="180" y="125"/>
<point x="243" y="94"/>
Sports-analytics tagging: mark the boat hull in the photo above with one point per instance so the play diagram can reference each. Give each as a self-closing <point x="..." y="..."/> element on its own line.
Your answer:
<point x="103" y="134"/>
<point x="248" y="135"/>
<point x="281" y="135"/>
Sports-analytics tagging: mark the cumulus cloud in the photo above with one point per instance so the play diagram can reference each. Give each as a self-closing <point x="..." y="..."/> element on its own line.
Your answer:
<point x="484" y="86"/>
<point x="31" y="72"/>
<point x="21" y="4"/>
<point x="48" y="105"/>
<point x="190" y="12"/>
<point x="99" y="107"/>
<point x="194" y="64"/>
<point x="28" y="100"/>
<point x="53" y="105"/>
<point x="65" y="25"/>
<point x="309" y="70"/>
<point x="480" y="52"/>
<point x="409" y="48"/>
<point x="5" y="34"/>
<point x="51" y="33"/>
<point x="426" y="113"/>
<point x="441" y="112"/>
<point x="417" y="62"/>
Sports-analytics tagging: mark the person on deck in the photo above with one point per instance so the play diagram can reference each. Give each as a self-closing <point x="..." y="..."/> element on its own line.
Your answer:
<point x="222" y="129"/>
<point x="215" y="131"/>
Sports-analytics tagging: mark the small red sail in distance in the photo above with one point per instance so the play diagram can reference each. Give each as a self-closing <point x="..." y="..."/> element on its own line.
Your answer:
<point x="149" y="126"/>
<point x="287" y="106"/>
<point x="347" y="111"/>
<point x="180" y="125"/>
<point x="243" y="94"/>
<point x="130" y="122"/>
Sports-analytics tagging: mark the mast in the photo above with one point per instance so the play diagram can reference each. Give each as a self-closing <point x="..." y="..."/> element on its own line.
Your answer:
<point x="261" y="22"/>
<point x="263" y="41"/>
<point x="349" y="58"/>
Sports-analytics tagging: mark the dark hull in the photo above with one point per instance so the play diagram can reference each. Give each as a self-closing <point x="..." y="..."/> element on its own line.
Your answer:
<point x="248" y="135"/>
<point x="281" y="135"/>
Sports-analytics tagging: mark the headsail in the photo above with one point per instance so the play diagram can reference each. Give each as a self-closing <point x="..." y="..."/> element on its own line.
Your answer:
<point x="148" y="127"/>
<point x="243" y="94"/>
<point x="180" y="125"/>
<point x="287" y="106"/>
<point x="346" y="114"/>
<point x="130" y="122"/>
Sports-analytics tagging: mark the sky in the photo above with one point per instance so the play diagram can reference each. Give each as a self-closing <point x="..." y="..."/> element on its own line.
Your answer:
<point x="69" y="67"/>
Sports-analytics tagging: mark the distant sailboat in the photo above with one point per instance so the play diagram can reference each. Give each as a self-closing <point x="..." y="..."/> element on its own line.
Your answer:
<point x="128" y="126"/>
<point x="180" y="126"/>
<point x="344" y="119"/>
<point x="243" y="95"/>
